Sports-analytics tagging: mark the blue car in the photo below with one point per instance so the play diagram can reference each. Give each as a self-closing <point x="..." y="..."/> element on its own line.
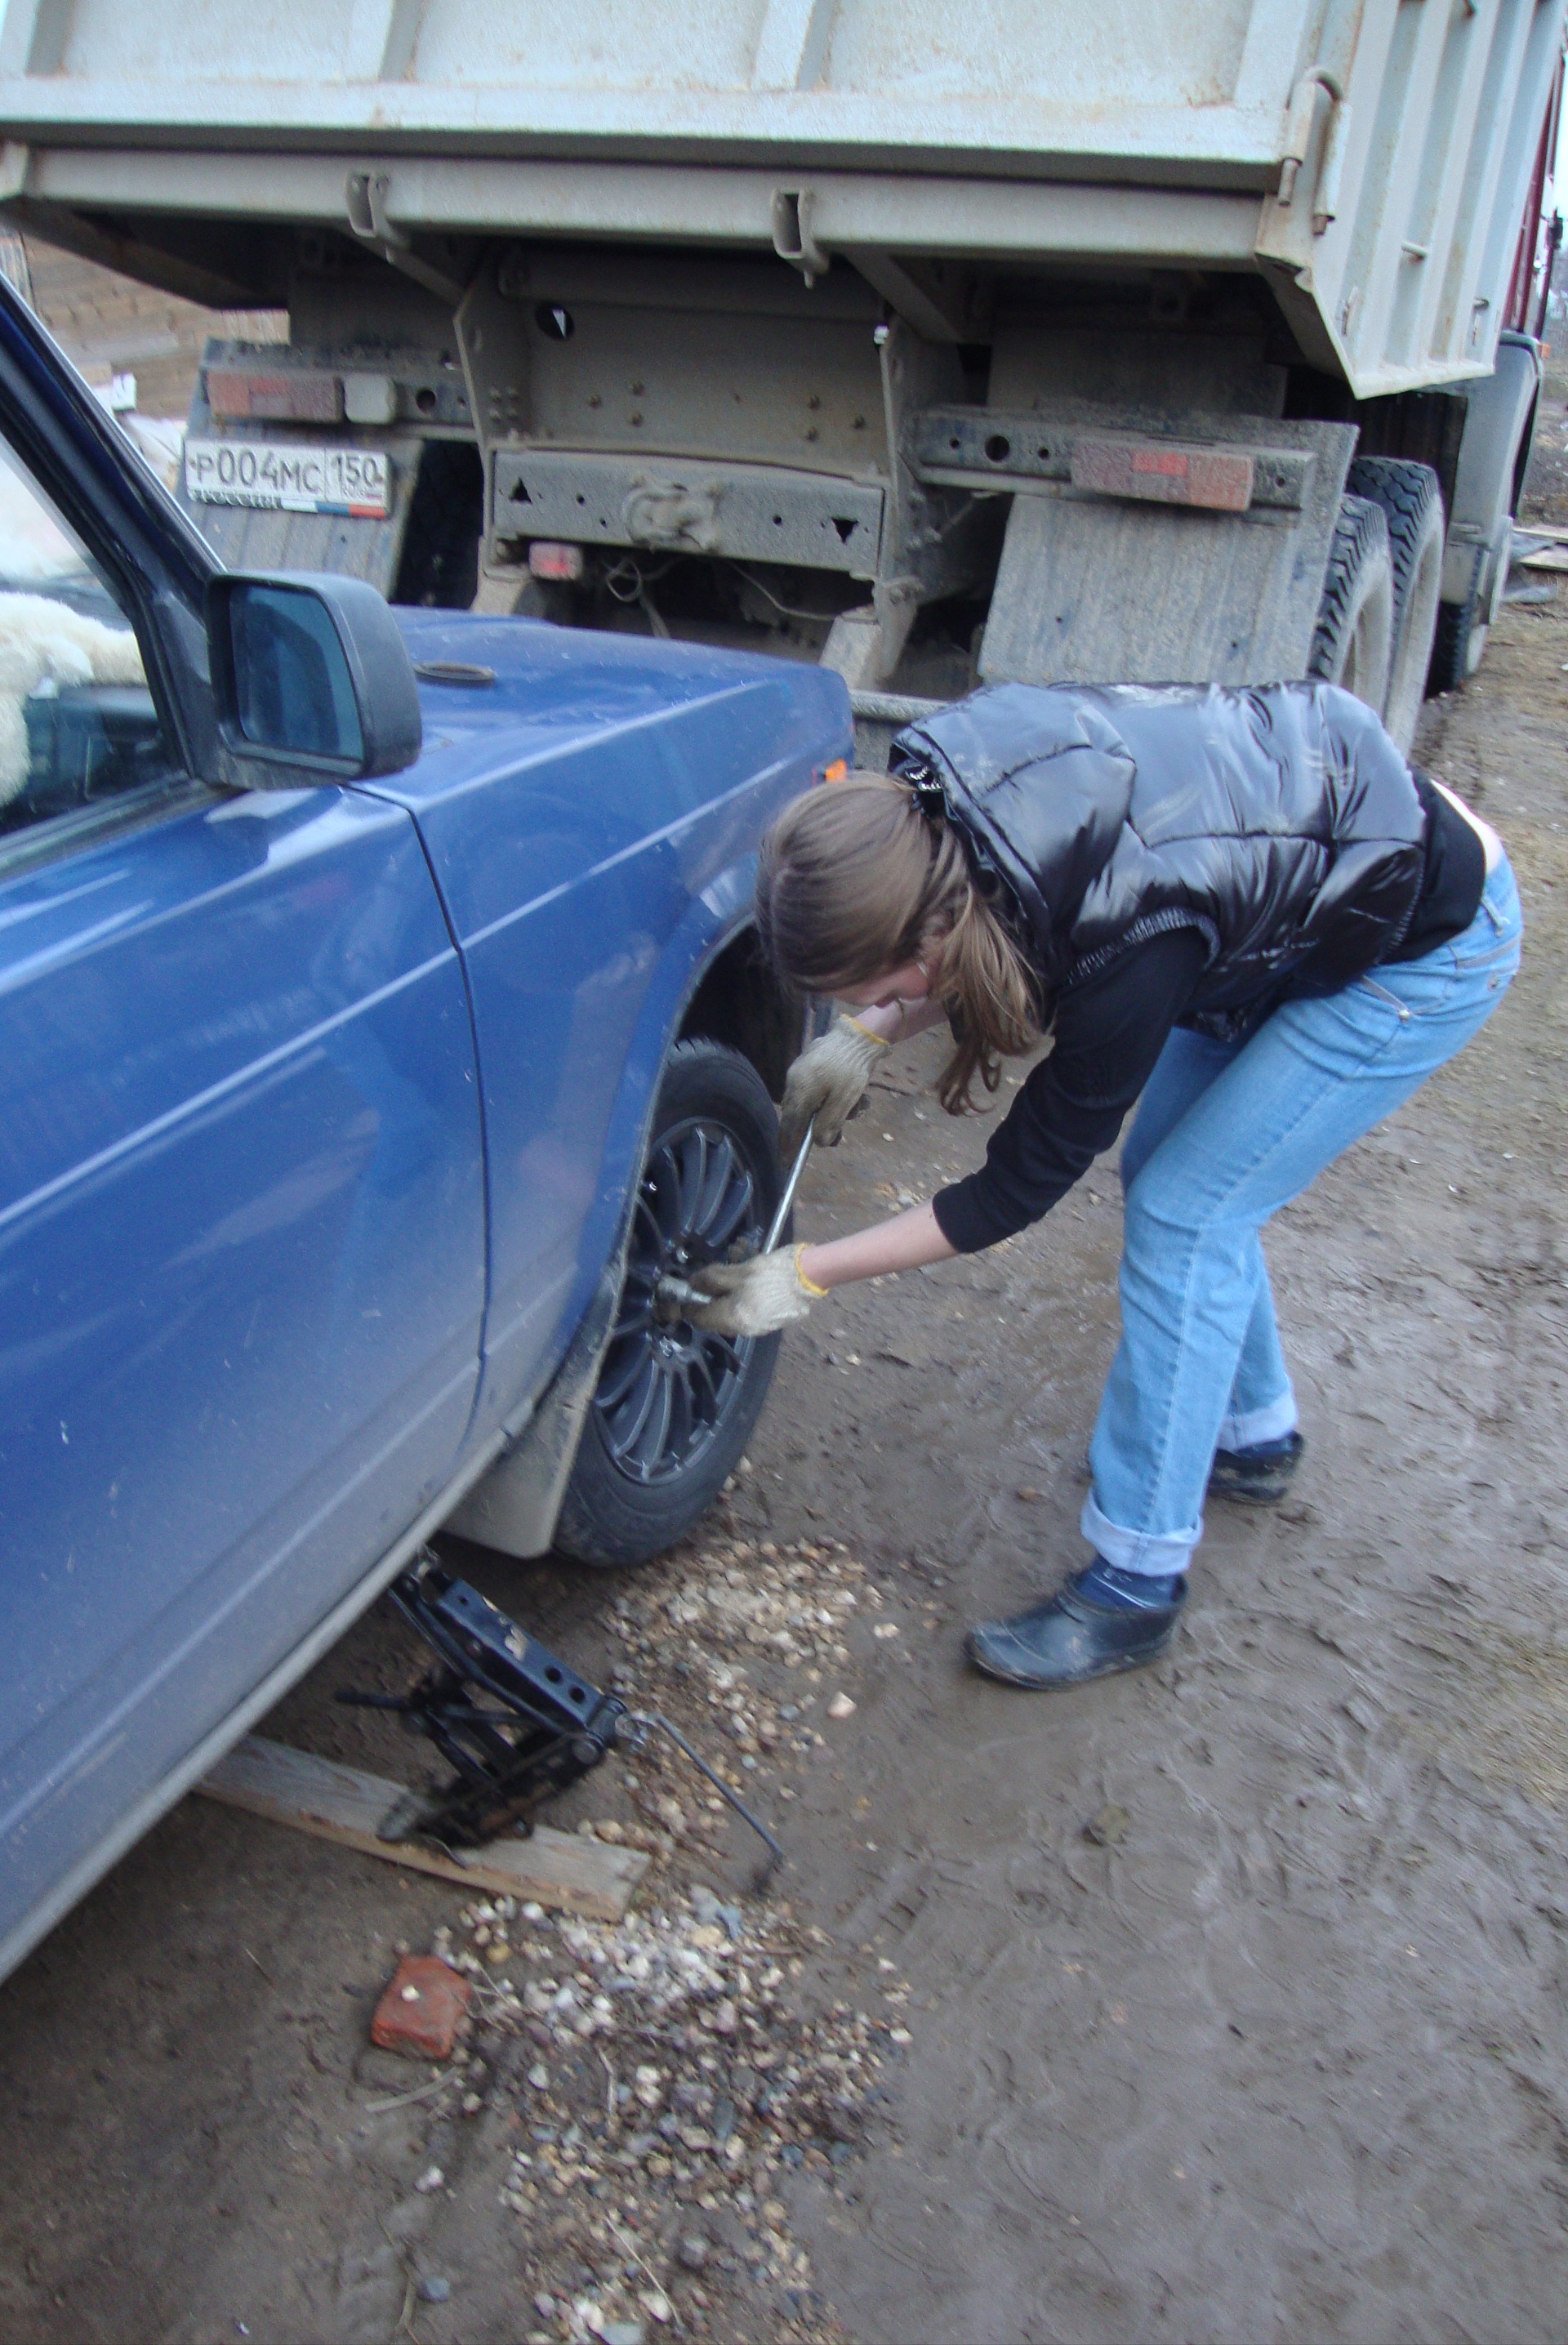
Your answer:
<point x="379" y="1018"/>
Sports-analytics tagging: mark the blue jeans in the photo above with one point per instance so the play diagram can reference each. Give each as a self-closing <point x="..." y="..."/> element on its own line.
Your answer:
<point x="1225" y="1134"/>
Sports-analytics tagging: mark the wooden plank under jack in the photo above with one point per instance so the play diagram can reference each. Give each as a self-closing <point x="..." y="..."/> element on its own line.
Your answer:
<point x="567" y="1869"/>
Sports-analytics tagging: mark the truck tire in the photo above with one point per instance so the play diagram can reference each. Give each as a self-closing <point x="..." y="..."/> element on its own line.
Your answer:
<point x="1354" y="633"/>
<point x="1457" y="646"/>
<point x="674" y="1408"/>
<point x="1411" y="502"/>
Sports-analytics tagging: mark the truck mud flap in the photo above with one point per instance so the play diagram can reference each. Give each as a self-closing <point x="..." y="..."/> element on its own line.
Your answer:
<point x="1102" y="584"/>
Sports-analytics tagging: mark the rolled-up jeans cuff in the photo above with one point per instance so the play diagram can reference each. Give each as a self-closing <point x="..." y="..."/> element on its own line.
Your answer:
<point x="1158" y="1553"/>
<point x="1271" y="1424"/>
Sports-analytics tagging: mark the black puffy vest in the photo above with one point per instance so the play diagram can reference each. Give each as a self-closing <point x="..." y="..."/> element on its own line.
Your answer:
<point x="1280" y="822"/>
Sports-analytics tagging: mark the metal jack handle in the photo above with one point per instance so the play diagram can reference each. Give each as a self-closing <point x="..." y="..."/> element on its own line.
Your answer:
<point x="776" y="1227"/>
<point x="633" y="1727"/>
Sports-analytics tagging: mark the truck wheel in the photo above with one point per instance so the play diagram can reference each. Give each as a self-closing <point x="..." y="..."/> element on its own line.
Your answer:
<point x="1354" y="633"/>
<point x="674" y="1407"/>
<point x="1457" y="646"/>
<point x="1411" y="502"/>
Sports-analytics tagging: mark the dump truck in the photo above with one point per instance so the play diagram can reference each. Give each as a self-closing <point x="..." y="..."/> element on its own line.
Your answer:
<point x="939" y="345"/>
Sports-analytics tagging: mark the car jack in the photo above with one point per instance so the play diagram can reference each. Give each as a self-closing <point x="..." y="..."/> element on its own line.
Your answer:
<point x="517" y="1724"/>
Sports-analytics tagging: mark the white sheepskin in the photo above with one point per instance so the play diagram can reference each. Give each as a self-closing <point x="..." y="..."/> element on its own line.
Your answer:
<point x="42" y="642"/>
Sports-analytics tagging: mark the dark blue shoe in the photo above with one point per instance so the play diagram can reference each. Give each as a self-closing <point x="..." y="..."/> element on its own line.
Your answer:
<point x="1258" y="1474"/>
<point x="1102" y="1621"/>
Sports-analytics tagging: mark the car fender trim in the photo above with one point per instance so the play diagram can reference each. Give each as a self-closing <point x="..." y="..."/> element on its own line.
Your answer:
<point x="515" y="1506"/>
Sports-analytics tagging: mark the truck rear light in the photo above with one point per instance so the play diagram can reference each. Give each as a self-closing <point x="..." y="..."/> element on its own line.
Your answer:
<point x="548" y="559"/>
<point x="273" y="395"/>
<point x="1165" y="472"/>
<point x="837" y="772"/>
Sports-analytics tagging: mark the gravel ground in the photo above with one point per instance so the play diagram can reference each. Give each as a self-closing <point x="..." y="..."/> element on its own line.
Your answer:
<point x="1219" y="2003"/>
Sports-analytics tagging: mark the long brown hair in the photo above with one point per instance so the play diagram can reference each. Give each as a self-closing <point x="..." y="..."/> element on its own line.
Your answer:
<point x="855" y="880"/>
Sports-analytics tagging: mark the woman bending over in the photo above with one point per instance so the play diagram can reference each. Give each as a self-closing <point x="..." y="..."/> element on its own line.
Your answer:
<point x="1243" y="911"/>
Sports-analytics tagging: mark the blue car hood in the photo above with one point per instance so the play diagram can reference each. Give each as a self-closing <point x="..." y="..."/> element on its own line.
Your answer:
<point x="557" y="690"/>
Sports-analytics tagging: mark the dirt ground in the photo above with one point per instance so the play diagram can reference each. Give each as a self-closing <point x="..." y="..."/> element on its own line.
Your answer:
<point x="1230" y="1994"/>
<point x="1545" y="497"/>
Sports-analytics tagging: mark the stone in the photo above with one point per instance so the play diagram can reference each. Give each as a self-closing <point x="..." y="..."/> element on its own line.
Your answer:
<point x="841" y="1706"/>
<point x="423" y="2009"/>
<point x="693" y="2252"/>
<point x="433" y="2289"/>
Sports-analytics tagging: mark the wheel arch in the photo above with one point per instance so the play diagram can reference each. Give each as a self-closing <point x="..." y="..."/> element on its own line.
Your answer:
<point x="739" y="1000"/>
<point x="728" y="994"/>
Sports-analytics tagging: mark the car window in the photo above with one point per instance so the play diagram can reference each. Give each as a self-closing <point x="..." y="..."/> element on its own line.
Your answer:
<point x="79" y="730"/>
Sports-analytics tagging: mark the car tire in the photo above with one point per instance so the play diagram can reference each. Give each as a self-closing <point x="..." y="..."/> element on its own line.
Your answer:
<point x="1410" y="501"/>
<point x="1354" y="633"/>
<point x="673" y="1409"/>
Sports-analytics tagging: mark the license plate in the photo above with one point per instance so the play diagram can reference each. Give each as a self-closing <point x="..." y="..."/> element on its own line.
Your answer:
<point x="284" y="476"/>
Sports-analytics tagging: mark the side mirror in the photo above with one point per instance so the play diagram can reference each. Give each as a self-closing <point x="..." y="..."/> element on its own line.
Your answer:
<point x="311" y="672"/>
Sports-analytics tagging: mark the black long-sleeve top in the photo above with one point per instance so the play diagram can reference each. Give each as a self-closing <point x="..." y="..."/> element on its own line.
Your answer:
<point x="1110" y="1031"/>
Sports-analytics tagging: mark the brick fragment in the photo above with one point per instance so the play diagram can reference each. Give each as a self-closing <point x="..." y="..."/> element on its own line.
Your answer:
<point x="424" y="2023"/>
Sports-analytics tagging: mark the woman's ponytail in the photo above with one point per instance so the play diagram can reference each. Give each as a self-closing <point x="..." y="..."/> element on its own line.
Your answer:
<point x="855" y="880"/>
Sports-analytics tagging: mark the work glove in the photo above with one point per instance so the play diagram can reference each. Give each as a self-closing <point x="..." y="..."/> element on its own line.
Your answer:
<point x="826" y="1084"/>
<point x="752" y="1298"/>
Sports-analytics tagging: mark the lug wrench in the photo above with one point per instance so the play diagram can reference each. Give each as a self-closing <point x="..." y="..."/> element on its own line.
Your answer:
<point x="672" y="1296"/>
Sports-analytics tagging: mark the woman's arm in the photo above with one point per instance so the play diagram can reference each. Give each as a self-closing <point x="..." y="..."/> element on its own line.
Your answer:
<point x="828" y="1081"/>
<point x="903" y="1243"/>
<point x="759" y="1296"/>
<point x="908" y="1240"/>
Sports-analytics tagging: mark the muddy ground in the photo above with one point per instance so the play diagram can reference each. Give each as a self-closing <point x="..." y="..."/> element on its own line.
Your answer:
<point x="1234" y="1989"/>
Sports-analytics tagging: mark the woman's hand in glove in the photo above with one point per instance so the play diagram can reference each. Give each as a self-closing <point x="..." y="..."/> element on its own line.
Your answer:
<point x="826" y="1084"/>
<point x="755" y="1297"/>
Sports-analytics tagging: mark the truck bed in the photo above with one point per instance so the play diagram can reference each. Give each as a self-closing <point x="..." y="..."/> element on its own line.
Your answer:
<point x="1369" y="159"/>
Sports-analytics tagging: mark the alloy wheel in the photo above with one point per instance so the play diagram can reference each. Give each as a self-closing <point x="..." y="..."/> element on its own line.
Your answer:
<point x="665" y="1389"/>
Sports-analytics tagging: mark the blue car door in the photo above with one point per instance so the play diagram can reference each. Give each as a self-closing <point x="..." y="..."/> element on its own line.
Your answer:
<point x="241" y="1202"/>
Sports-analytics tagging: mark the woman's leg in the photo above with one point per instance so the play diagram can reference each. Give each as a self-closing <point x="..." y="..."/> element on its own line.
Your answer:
<point x="1262" y="1403"/>
<point x="1182" y="1073"/>
<point x="1316" y="1077"/>
<point x="1263" y="1406"/>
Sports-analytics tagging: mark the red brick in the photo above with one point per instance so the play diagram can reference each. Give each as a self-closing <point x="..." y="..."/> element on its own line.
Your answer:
<point x="425" y="2024"/>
